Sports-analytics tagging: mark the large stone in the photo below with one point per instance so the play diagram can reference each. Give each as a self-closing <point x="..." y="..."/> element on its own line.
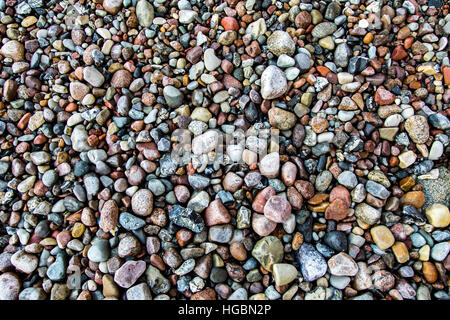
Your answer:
<point x="142" y="202"/>
<point x="312" y="264"/>
<point x="273" y="83"/>
<point x="9" y="286"/>
<point x="24" y="262"/>
<point x="280" y="42"/>
<point x="281" y="119"/>
<point x="284" y="273"/>
<point x="382" y="236"/>
<point x="417" y="128"/>
<point x="13" y="49"/>
<point x="268" y="251"/>
<point x="438" y="215"/>
<point x="145" y="13"/>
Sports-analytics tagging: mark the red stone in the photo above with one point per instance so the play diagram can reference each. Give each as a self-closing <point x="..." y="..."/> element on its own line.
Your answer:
<point x="305" y="188"/>
<point x="216" y="213"/>
<point x="337" y="210"/>
<point x="399" y="53"/>
<point x="384" y="97"/>
<point x="446" y="71"/>
<point x="261" y="198"/>
<point x="229" y="23"/>
<point x="294" y="198"/>
<point x="341" y="192"/>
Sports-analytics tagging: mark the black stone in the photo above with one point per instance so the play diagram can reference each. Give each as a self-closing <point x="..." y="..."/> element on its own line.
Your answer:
<point x="337" y="240"/>
<point x="186" y="218"/>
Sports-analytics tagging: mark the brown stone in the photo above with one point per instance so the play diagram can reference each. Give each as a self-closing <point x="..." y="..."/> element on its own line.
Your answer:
<point x="109" y="216"/>
<point x="216" y="213"/>
<point x="261" y="198"/>
<point x="337" y="210"/>
<point x="414" y="198"/>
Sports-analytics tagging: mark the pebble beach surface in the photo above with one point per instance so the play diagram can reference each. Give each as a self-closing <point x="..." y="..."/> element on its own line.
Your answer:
<point x="224" y="150"/>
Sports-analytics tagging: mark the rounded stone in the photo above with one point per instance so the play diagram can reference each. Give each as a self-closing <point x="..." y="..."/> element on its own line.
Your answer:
<point x="417" y="128"/>
<point x="277" y="209"/>
<point x="438" y="215"/>
<point x="280" y="42"/>
<point x="9" y="286"/>
<point x="142" y="202"/>
<point x="262" y="225"/>
<point x="268" y="251"/>
<point x="273" y="83"/>
<point x="284" y="273"/>
<point x="382" y="237"/>
<point x="109" y="216"/>
<point x="281" y="119"/>
<point x="342" y="264"/>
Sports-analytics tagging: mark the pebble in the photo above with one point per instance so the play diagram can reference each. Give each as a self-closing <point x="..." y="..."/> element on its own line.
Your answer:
<point x="280" y="42"/>
<point x="270" y="165"/>
<point x="268" y="251"/>
<point x="277" y="209"/>
<point x="438" y="215"/>
<point x="273" y="83"/>
<point x="417" y="128"/>
<point x="9" y="286"/>
<point x="24" y="262"/>
<point x="144" y="13"/>
<point x="312" y="264"/>
<point x="342" y="265"/>
<point x="382" y="237"/>
<point x="129" y="272"/>
<point x="142" y="202"/>
<point x="284" y="273"/>
<point x="109" y="216"/>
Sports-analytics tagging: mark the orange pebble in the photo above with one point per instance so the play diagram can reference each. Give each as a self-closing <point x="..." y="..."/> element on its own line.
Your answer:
<point x="446" y="71"/>
<point x="323" y="70"/>
<point x="368" y="38"/>
<point x="229" y="23"/>
<point x="71" y="107"/>
<point x="408" y="42"/>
